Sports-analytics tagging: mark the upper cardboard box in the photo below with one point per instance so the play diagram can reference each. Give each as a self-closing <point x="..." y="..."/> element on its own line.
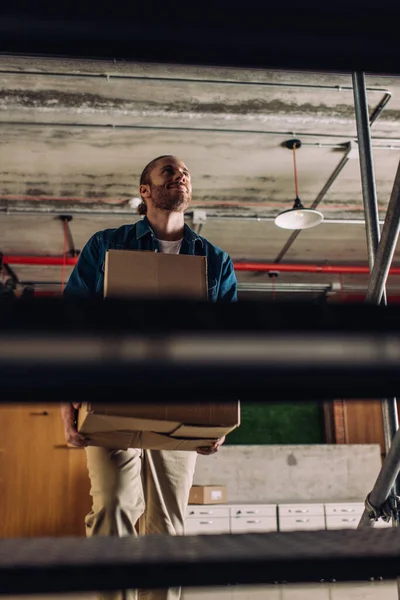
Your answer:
<point x="144" y="274"/>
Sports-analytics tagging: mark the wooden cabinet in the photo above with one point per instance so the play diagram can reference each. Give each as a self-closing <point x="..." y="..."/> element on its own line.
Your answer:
<point x="354" y="422"/>
<point x="364" y="423"/>
<point x="44" y="485"/>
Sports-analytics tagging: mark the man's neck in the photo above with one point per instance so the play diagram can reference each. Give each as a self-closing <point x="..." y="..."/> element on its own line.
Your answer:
<point x="168" y="226"/>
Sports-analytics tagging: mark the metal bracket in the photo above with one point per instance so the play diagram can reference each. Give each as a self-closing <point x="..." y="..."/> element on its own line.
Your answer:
<point x="13" y="277"/>
<point x="290" y="144"/>
<point x="72" y="250"/>
<point x="389" y="510"/>
<point x="199" y="218"/>
<point x="353" y="150"/>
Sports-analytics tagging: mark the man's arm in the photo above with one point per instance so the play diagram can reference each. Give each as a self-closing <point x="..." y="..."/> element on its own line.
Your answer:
<point x="227" y="293"/>
<point x="228" y="283"/>
<point x="72" y="437"/>
<point x="82" y="281"/>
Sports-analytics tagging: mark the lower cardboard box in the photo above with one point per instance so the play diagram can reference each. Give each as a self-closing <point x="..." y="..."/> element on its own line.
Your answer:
<point x="132" y="426"/>
<point x="208" y="494"/>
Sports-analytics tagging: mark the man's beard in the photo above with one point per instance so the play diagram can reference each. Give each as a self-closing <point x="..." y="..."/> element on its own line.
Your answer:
<point x="172" y="199"/>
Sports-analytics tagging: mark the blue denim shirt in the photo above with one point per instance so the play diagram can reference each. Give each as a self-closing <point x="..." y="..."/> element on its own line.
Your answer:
<point x="87" y="278"/>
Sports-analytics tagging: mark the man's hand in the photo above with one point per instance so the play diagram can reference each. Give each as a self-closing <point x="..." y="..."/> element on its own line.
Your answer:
<point x="207" y="450"/>
<point x="72" y="437"/>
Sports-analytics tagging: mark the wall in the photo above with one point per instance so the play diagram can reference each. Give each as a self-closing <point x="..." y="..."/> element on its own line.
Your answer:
<point x="280" y="423"/>
<point x="292" y="473"/>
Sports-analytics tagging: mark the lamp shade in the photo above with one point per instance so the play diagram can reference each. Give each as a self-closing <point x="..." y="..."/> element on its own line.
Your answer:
<point x="299" y="217"/>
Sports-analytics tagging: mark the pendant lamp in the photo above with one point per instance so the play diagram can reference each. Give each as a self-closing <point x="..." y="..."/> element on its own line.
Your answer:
<point x="298" y="217"/>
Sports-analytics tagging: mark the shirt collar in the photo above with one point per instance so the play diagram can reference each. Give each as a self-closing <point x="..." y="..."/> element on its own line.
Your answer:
<point x="143" y="228"/>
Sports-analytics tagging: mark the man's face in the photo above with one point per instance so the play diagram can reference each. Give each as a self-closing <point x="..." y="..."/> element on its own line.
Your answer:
<point x="170" y="188"/>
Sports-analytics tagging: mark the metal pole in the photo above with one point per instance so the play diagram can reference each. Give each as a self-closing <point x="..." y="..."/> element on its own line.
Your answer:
<point x="366" y="167"/>
<point x="387" y="246"/>
<point x="389" y="406"/>
<point x="385" y="480"/>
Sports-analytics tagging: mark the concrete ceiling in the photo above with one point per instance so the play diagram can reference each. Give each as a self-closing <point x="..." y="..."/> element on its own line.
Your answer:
<point x="76" y="135"/>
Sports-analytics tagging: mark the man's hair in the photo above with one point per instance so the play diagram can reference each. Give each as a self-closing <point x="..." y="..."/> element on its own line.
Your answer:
<point x="146" y="180"/>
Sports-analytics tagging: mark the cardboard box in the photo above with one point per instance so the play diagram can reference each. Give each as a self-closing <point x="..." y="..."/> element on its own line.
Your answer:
<point x="157" y="426"/>
<point x="208" y="494"/>
<point x="144" y="274"/>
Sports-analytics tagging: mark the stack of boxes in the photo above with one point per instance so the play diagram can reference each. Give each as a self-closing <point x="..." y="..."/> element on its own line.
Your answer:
<point x="150" y="275"/>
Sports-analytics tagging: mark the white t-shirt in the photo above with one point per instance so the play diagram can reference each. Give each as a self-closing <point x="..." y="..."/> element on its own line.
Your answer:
<point x="170" y="247"/>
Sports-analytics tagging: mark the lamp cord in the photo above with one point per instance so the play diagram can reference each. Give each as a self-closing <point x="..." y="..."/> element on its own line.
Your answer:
<point x="296" y="182"/>
<point x="64" y="257"/>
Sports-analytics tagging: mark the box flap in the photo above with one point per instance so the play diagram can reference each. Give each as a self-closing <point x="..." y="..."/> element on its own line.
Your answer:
<point x="157" y="441"/>
<point x="117" y="440"/>
<point x="193" y="413"/>
<point x="196" y="431"/>
<point x="122" y="440"/>
<point x="94" y="422"/>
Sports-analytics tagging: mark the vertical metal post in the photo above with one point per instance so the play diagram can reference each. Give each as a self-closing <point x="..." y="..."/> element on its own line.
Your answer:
<point x="387" y="245"/>
<point x="389" y="406"/>
<point x="366" y="167"/>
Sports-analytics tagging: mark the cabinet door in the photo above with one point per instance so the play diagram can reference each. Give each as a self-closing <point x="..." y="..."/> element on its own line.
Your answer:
<point x="207" y="526"/>
<point x="341" y="522"/>
<point x="344" y="509"/>
<point x="246" y="525"/>
<point x="301" y="523"/>
<point x="287" y="510"/>
<point x="44" y="484"/>
<point x="253" y="510"/>
<point x="196" y="511"/>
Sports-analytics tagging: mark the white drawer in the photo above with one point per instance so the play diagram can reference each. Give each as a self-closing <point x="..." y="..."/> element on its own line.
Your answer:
<point x="207" y="525"/>
<point x="350" y="522"/>
<point x="301" y="523"/>
<point x="246" y="524"/>
<point x="253" y="510"/>
<point x="342" y="522"/>
<point x="287" y="510"/>
<point x="350" y="508"/>
<point x="195" y="511"/>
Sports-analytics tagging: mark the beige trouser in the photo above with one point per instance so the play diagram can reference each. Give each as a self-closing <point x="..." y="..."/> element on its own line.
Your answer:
<point x="145" y="487"/>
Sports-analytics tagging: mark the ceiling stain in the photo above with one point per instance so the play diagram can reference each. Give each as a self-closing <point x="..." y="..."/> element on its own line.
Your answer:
<point x="57" y="100"/>
<point x="35" y="192"/>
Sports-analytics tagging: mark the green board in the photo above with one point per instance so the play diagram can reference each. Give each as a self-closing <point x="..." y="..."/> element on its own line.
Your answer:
<point x="283" y="423"/>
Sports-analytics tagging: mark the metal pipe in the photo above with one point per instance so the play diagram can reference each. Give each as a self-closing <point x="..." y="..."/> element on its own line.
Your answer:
<point x="49" y="261"/>
<point x="387" y="246"/>
<point x="108" y="76"/>
<point x="385" y="480"/>
<point x="292" y="238"/>
<point x="239" y="266"/>
<point x="366" y="167"/>
<point x="42" y="124"/>
<point x="389" y="405"/>
<point x="37" y="207"/>
<point x="333" y="288"/>
<point x="307" y="268"/>
<point x="376" y="113"/>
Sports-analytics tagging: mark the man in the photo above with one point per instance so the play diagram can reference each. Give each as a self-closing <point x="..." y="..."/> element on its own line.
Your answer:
<point x="147" y="487"/>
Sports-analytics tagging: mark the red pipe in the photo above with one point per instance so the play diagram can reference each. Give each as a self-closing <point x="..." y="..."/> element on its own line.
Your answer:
<point x="302" y="268"/>
<point x="39" y="260"/>
<point x="241" y="266"/>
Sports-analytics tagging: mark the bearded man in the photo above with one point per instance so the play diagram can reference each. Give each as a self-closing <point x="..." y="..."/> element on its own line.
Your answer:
<point x="133" y="486"/>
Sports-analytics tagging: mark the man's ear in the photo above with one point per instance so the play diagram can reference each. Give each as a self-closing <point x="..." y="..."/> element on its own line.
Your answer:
<point x="144" y="190"/>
